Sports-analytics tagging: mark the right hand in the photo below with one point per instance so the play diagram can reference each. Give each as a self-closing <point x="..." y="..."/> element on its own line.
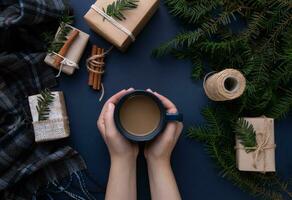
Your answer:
<point x="160" y="149"/>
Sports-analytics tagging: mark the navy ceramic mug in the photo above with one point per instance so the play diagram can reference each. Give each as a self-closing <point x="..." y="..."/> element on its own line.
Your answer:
<point x="164" y="117"/>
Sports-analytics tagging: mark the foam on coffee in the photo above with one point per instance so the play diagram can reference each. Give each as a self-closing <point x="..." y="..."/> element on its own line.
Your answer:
<point x="140" y="115"/>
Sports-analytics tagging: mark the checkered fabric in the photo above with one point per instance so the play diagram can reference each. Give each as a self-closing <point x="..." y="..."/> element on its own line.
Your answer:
<point x="24" y="165"/>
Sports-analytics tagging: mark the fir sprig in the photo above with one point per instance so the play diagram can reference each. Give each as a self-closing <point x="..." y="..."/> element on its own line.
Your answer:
<point x="116" y="9"/>
<point x="220" y="147"/>
<point x="246" y="134"/>
<point x="55" y="43"/>
<point x="45" y="99"/>
<point x="262" y="50"/>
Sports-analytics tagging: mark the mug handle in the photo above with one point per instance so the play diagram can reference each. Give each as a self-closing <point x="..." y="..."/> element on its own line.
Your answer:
<point x="174" y="117"/>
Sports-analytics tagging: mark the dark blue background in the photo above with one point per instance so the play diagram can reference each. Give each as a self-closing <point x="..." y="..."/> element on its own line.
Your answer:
<point x="196" y="174"/>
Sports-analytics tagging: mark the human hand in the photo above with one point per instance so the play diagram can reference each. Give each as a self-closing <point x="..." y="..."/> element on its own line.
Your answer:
<point x="119" y="147"/>
<point x="160" y="149"/>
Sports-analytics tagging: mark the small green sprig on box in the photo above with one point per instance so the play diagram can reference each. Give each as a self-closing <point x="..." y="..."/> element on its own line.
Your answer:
<point x="56" y="43"/>
<point x="117" y="7"/>
<point x="246" y="134"/>
<point x="45" y="99"/>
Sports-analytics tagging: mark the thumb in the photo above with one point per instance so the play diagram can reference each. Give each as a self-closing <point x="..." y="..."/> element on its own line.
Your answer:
<point x="109" y="117"/>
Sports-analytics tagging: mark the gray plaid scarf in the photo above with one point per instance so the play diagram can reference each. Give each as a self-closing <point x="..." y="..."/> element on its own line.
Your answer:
<point x="24" y="165"/>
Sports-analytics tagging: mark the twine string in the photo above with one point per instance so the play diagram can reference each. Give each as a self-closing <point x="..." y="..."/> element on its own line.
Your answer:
<point x="96" y="67"/>
<point x="215" y="88"/>
<point x="65" y="62"/>
<point x="206" y="77"/>
<point x="91" y="62"/>
<point x="114" y="22"/>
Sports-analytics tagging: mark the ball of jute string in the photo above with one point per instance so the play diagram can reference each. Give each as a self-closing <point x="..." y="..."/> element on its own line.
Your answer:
<point x="224" y="85"/>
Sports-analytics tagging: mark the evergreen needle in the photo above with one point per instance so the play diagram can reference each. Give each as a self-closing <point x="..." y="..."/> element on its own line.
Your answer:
<point x="45" y="99"/>
<point x="262" y="50"/>
<point x="55" y="43"/>
<point x="246" y="134"/>
<point x="116" y="9"/>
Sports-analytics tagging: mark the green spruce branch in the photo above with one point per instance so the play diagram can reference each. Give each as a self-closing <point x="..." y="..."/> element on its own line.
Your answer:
<point x="262" y="51"/>
<point x="55" y="43"/>
<point x="116" y="9"/>
<point x="246" y="134"/>
<point x="45" y="99"/>
<point x="218" y="136"/>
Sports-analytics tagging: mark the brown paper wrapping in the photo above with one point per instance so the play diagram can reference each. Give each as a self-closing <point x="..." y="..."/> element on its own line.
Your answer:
<point x="266" y="158"/>
<point x="136" y="20"/>
<point x="57" y="126"/>
<point x="74" y="53"/>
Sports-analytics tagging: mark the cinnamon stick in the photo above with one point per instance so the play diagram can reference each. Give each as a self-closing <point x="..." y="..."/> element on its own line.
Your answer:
<point x="66" y="47"/>
<point x="99" y="76"/>
<point x="95" y="77"/>
<point x="91" y="74"/>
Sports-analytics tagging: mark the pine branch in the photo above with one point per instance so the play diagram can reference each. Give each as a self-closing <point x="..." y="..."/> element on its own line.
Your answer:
<point x="189" y="38"/>
<point x="281" y="106"/>
<point x="198" y="69"/>
<point x="186" y="38"/>
<point x="45" y="99"/>
<point x="116" y="9"/>
<point x="56" y="43"/>
<point x="191" y="11"/>
<point x="202" y="134"/>
<point x="214" y="124"/>
<point x="255" y="185"/>
<point x="262" y="50"/>
<point x="245" y="133"/>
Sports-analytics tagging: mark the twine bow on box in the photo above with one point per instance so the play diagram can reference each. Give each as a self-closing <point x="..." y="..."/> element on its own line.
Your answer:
<point x="65" y="62"/>
<point x="259" y="151"/>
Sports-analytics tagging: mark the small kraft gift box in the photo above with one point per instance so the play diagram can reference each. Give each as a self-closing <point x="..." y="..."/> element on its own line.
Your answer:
<point x="120" y="32"/>
<point x="67" y="58"/>
<point x="56" y="124"/>
<point x="262" y="157"/>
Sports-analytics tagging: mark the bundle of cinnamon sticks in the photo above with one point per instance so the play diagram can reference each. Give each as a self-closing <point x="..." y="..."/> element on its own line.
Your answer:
<point x="97" y="67"/>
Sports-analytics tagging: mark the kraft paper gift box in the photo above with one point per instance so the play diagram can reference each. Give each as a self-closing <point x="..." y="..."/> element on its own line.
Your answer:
<point x="74" y="53"/>
<point x="262" y="159"/>
<point x="57" y="124"/>
<point x="135" y="20"/>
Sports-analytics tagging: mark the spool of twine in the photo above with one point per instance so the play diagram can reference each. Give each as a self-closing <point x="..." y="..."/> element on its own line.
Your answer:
<point x="225" y="85"/>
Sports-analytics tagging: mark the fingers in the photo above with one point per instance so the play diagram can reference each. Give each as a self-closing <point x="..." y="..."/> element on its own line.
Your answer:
<point x="101" y="126"/>
<point x="109" y="118"/>
<point x="173" y="130"/>
<point x="170" y="131"/>
<point x="179" y="129"/>
<point x="171" y="108"/>
<point x="113" y="100"/>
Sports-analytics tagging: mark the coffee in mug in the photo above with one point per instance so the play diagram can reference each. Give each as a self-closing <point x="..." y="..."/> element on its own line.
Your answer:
<point x="140" y="116"/>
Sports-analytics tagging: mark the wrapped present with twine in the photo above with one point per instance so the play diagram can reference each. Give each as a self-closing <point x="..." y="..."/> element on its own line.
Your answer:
<point x="66" y="58"/>
<point x="56" y="125"/>
<point x="260" y="158"/>
<point x="121" y="33"/>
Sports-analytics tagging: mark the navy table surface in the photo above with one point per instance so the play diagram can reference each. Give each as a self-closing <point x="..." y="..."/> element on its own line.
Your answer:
<point x="194" y="170"/>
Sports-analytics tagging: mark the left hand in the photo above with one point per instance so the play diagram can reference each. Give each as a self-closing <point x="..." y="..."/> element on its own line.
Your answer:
<point x="119" y="147"/>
